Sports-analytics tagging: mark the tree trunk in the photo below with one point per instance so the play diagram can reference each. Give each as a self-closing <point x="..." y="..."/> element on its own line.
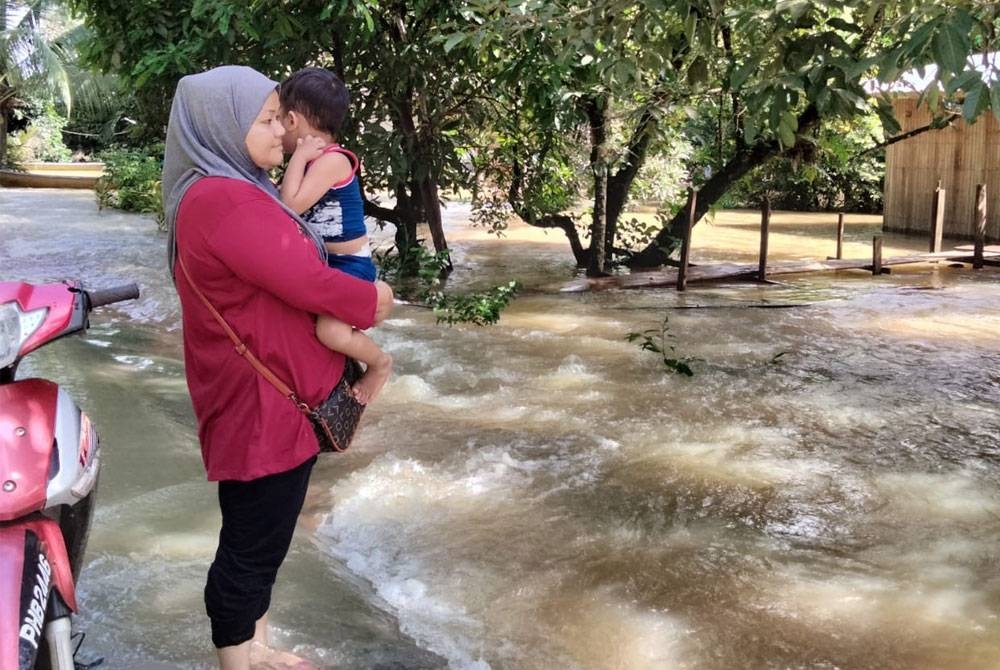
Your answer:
<point x="3" y="134"/>
<point x="406" y="228"/>
<point x="598" y="227"/>
<point x="432" y="210"/>
<point x="418" y="200"/>
<point x="595" y="109"/>
<point x="563" y="222"/>
<point x="669" y="238"/>
<point x="620" y="184"/>
<point x="568" y="226"/>
<point x="658" y="251"/>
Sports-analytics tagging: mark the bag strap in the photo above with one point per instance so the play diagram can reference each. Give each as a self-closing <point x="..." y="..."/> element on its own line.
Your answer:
<point x="242" y="350"/>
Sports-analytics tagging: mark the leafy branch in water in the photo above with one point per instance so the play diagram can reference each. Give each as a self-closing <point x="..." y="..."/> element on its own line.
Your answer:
<point x="481" y="309"/>
<point x="416" y="275"/>
<point x="657" y="340"/>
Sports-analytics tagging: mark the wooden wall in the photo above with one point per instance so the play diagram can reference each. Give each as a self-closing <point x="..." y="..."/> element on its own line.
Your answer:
<point x="961" y="156"/>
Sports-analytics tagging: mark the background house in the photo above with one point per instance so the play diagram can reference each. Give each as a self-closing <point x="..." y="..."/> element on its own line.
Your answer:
<point x="959" y="156"/>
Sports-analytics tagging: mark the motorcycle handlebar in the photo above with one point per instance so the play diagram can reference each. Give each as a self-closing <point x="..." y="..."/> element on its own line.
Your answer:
<point x="106" y="296"/>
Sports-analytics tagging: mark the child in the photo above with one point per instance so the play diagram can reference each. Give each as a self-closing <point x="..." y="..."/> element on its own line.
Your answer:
<point x="321" y="184"/>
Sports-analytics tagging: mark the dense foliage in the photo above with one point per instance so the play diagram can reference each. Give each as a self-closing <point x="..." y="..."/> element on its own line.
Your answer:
<point x="131" y="180"/>
<point x="55" y="106"/>
<point x="41" y="140"/>
<point x="841" y="173"/>
<point x="532" y="104"/>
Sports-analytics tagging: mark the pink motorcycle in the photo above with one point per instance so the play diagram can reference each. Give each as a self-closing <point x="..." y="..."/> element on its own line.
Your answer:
<point x="49" y="464"/>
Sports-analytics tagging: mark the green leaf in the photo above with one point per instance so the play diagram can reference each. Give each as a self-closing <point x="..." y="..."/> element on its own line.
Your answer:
<point x="690" y="26"/>
<point x="787" y="136"/>
<point x="453" y="41"/>
<point x="933" y="97"/>
<point x="741" y="74"/>
<point x="977" y="98"/>
<point x="698" y="71"/>
<point x="915" y="45"/>
<point x="951" y="48"/>
<point x="995" y="98"/>
<point x="963" y="81"/>
<point x="787" y="129"/>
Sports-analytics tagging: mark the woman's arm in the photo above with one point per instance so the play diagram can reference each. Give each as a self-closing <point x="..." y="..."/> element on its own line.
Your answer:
<point x="261" y="245"/>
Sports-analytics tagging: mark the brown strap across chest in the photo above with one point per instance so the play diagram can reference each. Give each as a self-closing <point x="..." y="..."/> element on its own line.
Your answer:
<point x="242" y="349"/>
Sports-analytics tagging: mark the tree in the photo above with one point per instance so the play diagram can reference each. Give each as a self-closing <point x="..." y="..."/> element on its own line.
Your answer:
<point x="412" y="98"/>
<point x="599" y="74"/>
<point x="548" y="99"/>
<point x="790" y="66"/>
<point x="29" y="63"/>
<point x="771" y="74"/>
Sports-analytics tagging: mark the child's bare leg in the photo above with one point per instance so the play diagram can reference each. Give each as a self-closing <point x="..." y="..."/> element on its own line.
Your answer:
<point x="385" y="301"/>
<point x="341" y="337"/>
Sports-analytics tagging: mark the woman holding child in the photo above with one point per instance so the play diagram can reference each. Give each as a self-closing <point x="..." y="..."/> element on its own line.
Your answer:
<point x="265" y="272"/>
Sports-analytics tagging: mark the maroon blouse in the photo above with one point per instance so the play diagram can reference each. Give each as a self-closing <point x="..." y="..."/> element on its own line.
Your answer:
<point x="264" y="276"/>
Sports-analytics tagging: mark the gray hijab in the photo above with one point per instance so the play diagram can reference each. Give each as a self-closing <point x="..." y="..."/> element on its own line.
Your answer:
<point x="206" y="137"/>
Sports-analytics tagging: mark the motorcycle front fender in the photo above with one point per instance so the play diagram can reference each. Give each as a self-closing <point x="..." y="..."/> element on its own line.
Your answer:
<point x="33" y="562"/>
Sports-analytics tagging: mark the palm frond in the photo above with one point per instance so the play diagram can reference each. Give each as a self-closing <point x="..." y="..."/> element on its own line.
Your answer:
<point x="28" y="61"/>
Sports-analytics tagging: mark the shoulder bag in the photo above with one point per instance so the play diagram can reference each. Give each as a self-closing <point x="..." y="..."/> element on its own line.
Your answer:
<point x="336" y="419"/>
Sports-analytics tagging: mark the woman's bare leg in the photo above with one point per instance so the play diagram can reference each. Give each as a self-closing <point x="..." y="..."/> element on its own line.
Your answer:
<point x="236" y="657"/>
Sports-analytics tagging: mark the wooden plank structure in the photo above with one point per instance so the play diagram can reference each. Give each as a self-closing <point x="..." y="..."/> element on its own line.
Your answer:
<point x="12" y="179"/>
<point x="956" y="158"/>
<point x="53" y="175"/>
<point x="723" y="272"/>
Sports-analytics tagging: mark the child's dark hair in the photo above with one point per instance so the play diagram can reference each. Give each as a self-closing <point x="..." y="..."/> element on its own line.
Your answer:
<point x="319" y="95"/>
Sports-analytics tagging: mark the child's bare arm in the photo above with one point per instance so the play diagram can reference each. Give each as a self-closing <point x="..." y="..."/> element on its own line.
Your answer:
<point x="300" y="190"/>
<point x="306" y="150"/>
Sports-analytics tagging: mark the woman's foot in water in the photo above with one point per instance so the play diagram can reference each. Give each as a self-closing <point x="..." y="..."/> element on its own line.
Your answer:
<point x="376" y="375"/>
<point x="263" y="657"/>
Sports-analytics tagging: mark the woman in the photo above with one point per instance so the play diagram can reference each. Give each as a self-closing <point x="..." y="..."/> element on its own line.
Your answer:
<point x="265" y="272"/>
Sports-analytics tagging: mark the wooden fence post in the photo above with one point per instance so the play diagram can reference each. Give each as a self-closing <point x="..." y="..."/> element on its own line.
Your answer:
<point x="686" y="243"/>
<point x="877" y="255"/>
<point x="840" y="236"/>
<point x="977" y="259"/>
<point x="765" y="223"/>
<point x="937" y="218"/>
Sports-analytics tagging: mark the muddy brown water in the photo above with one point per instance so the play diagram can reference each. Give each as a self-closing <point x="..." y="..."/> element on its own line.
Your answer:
<point x="823" y="493"/>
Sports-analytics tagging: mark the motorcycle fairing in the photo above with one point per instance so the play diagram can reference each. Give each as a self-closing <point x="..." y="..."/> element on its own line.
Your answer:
<point x="73" y="473"/>
<point x="33" y="561"/>
<point x="27" y="425"/>
<point x="60" y="299"/>
<point x="48" y="449"/>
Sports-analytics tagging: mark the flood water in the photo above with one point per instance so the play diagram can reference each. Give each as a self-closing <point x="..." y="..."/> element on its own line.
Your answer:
<point x="823" y="493"/>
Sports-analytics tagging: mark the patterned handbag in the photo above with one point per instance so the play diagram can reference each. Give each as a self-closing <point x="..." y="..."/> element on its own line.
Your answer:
<point x="336" y="419"/>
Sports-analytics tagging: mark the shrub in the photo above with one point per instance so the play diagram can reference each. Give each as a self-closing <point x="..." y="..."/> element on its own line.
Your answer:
<point x="41" y="140"/>
<point x="131" y="181"/>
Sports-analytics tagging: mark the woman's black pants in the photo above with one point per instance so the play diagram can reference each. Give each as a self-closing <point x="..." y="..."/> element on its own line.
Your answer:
<point x="258" y="519"/>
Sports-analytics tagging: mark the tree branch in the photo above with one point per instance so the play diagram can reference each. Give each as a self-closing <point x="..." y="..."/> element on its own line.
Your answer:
<point x="659" y="249"/>
<point x="937" y="124"/>
<point x="381" y="213"/>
